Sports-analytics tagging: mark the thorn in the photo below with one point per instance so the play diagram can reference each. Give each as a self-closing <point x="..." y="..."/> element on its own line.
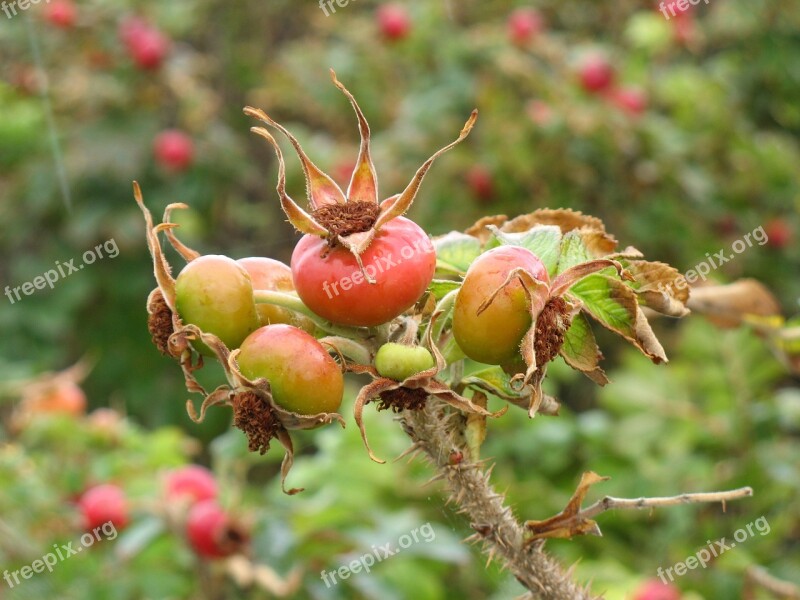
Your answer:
<point x="491" y="557"/>
<point x="433" y="479"/>
<point x="410" y="450"/>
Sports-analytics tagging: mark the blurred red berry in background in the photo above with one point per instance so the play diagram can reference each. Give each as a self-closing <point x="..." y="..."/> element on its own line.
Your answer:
<point x="655" y="589"/>
<point x="193" y="482"/>
<point x="480" y="182"/>
<point x="104" y="503"/>
<point x="61" y="13"/>
<point x="174" y="150"/>
<point x="146" y="45"/>
<point x="632" y="100"/>
<point x="596" y="74"/>
<point x="394" y="21"/>
<point x="779" y="233"/>
<point x="523" y="25"/>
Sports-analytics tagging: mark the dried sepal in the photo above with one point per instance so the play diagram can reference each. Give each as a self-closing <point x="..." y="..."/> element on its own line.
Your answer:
<point x="364" y="182"/>
<point x="220" y="396"/>
<point x="321" y="188"/>
<point x="187" y="253"/>
<point x="300" y="219"/>
<point x="161" y="268"/>
<point x="402" y="203"/>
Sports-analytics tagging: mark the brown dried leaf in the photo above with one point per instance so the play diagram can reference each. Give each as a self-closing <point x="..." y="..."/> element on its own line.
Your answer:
<point x="728" y="306"/>
<point x="481" y="229"/>
<point x="660" y="287"/>
<point x="568" y="523"/>
<point x="564" y="218"/>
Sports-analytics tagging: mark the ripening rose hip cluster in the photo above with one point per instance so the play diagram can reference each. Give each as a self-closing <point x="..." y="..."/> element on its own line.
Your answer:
<point x="355" y="299"/>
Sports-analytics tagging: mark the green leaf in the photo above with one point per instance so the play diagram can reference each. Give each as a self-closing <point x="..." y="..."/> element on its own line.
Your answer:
<point x="496" y="382"/>
<point x="138" y="536"/>
<point x="455" y="252"/>
<point x="580" y="350"/>
<point x="543" y="240"/>
<point x="615" y="306"/>
<point x="441" y="287"/>
<point x="573" y="251"/>
<point x="614" y="312"/>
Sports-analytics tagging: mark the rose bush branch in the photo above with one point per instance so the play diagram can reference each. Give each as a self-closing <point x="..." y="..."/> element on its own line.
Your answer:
<point x="439" y="435"/>
<point x="611" y="503"/>
<point x="759" y="578"/>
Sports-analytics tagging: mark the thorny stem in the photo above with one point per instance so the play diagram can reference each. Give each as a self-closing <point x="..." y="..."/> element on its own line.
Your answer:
<point x="438" y="432"/>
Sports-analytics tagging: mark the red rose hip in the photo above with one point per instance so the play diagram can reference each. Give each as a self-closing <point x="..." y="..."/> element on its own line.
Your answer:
<point x="102" y="504"/>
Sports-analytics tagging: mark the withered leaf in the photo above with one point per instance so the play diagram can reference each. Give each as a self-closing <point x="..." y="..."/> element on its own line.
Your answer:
<point x="568" y="522"/>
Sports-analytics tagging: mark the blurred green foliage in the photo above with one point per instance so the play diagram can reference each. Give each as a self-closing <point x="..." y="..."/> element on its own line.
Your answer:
<point x="713" y="157"/>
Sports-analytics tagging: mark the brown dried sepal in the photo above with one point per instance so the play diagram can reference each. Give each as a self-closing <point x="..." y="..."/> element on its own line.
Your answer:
<point x="552" y="324"/>
<point x="401" y="399"/>
<point x="160" y="319"/>
<point x="255" y="417"/>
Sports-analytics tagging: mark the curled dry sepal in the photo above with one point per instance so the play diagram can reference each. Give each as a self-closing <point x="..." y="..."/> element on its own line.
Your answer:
<point x="254" y="410"/>
<point x="350" y="219"/>
<point x="412" y="393"/>
<point x="589" y="276"/>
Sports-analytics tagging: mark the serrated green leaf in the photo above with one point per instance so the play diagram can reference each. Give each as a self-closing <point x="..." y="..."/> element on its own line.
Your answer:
<point x="543" y="240"/>
<point x="455" y="252"/>
<point x="615" y="306"/>
<point x="615" y="311"/>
